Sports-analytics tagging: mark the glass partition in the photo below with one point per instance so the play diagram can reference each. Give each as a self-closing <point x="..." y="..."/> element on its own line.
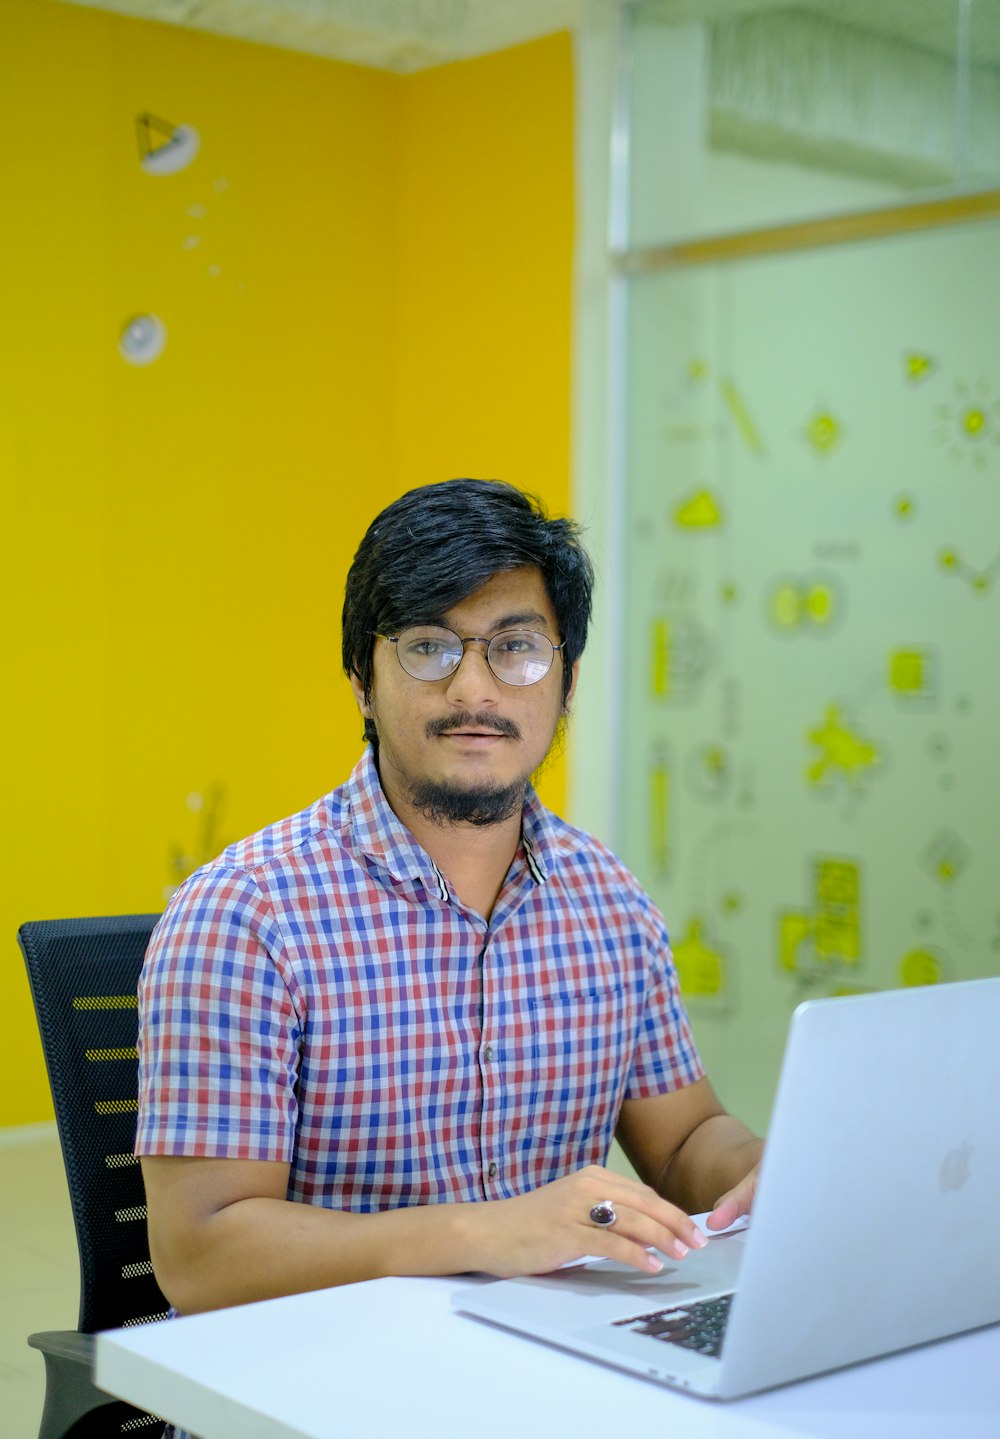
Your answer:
<point x="811" y="457"/>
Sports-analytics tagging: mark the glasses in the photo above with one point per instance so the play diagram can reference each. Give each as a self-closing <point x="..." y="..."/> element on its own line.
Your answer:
<point x="517" y="657"/>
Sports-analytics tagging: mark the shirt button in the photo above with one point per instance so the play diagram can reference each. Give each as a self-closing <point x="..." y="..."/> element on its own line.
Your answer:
<point x="492" y="1171"/>
<point x="488" y="1053"/>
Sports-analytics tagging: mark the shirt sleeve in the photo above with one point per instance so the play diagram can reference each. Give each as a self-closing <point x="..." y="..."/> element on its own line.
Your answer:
<point x="666" y="1056"/>
<point x="218" y="1030"/>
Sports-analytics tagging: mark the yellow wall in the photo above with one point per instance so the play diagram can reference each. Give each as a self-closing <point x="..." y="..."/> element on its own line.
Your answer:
<point x="365" y="281"/>
<point x="483" y="378"/>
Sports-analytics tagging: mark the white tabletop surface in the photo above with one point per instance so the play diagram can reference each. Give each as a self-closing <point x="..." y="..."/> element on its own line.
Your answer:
<point x="390" y="1358"/>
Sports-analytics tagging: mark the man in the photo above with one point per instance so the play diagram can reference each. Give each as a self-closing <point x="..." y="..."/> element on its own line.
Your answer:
<point x="396" y="1033"/>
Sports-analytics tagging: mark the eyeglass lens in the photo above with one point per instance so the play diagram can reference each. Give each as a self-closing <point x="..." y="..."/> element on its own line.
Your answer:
<point x="518" y="657"/>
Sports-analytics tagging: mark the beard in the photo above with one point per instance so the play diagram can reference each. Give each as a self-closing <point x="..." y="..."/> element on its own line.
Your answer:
<point x="481" y="805"/>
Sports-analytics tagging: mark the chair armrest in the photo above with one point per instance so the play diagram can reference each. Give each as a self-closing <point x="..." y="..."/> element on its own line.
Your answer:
<point x="65" y="1344"/>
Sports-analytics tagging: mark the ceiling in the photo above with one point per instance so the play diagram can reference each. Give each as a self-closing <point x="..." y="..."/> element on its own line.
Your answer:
<point x="409" y="35"/>
<point x="398" y="35"/>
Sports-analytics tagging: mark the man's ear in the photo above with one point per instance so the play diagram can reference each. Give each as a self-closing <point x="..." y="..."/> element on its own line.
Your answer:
<point x="359" y="694"/>
<point x="572" y="686"/>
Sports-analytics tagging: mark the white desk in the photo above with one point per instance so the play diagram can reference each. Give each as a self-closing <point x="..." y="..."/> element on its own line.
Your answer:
<point x="389" y="1358"/>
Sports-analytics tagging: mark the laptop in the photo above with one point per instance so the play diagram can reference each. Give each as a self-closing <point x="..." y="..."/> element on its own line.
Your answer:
<point x="874" y="1226"/>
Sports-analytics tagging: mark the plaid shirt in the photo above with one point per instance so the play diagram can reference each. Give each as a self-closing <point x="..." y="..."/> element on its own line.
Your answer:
<point x="317" y="996"/>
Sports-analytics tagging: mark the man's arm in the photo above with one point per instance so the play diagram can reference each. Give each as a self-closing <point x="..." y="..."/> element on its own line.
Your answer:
<point x="685" y="1145"/>
<point x="222" y="1232"/>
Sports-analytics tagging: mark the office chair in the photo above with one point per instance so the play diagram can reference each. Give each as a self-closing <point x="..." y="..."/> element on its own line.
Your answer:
<point x="83" y="975"/>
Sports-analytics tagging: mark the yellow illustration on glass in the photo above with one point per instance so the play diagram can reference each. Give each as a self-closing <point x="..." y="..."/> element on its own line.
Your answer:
<point x="659" y="814"/>
<point x="699" y="511"/>
<point x="824" y="939"/>
<point x="660" y="657"/>
<point x="799" y="603"/>
<point x="843" y="751"/>
<point x="970" y="423"/>
<point x="910" y="673"/>
<point x="946" y="857"/>
<point x="919" y="367"/>
<point x="979" y="581"/>
<point x="824" y="432"/>
<point x="736" y="406"/>
<point x="794" y="930"/>
<point x="700" y="969"/>
<point x="920" y="967"/>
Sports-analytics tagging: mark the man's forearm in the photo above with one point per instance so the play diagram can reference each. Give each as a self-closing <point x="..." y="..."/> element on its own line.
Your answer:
<point x="260" y="1248"/>
<point x="713" y="1158"/>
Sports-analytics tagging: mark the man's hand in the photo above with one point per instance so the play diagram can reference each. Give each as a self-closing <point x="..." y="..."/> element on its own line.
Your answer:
<point x="737" y="1202"/>
<point x="537" y="1232"/>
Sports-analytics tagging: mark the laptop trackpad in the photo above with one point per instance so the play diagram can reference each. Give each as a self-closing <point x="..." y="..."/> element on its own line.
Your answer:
<point x="613" y="1293"/>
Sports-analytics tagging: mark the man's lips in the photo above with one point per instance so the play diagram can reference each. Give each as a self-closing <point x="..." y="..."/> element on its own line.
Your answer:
<point x="478" y="728"/>
<point x="473" y="734"/>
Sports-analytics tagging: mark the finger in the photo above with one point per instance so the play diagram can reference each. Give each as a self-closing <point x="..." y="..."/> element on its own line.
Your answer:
<point x="637" y="1228"/>
<point x="672" y="1240"/>
<point x="674" y="1232"/>
<point x="734" y="1204"/>
<point x="627" y="1251"/>
<point x="726" y="1212"/>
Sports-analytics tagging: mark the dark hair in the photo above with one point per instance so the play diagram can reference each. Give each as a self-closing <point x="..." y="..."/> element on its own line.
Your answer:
<point x="438" y="544"/>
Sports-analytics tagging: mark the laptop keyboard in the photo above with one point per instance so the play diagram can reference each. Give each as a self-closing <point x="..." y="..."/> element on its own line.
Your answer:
<point x="699" y="1326"/>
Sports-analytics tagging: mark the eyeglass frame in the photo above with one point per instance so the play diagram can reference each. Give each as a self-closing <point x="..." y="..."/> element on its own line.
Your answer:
<point x="472" y="640"/>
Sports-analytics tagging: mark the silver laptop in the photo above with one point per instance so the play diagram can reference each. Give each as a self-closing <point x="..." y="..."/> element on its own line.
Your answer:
<point x="874" y="1226"/>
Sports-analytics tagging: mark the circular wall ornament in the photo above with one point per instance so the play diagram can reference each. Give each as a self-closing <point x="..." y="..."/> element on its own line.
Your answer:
<point x="142" y="339"/>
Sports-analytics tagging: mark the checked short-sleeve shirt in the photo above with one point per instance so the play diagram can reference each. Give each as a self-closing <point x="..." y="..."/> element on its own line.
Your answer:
<point x="317" y="996"/>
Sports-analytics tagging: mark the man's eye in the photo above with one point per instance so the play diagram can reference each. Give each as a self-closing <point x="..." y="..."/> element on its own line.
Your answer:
<point x="518" y="645"/>
<point x="426" y="649"/>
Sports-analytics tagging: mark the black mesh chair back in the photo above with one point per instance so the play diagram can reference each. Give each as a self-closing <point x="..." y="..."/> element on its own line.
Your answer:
<point x="83" y="975"/>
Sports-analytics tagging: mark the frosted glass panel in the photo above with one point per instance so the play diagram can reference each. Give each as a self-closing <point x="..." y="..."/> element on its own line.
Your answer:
<point x="813" y="674"/>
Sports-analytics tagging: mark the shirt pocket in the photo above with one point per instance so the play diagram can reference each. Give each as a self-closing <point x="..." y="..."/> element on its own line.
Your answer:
<point x="579" y="1053"/>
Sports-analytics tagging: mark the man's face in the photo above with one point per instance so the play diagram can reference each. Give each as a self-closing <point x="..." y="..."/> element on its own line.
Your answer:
<point x="465" y="746"/>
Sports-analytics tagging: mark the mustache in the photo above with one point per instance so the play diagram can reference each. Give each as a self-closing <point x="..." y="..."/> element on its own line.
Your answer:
<point x="447" y="723"/>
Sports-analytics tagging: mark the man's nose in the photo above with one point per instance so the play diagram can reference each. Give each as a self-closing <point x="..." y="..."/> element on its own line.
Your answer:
<point x="473" y="683"/>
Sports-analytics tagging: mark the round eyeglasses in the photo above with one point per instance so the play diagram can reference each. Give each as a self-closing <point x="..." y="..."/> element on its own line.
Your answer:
<point x="517" y="657"/>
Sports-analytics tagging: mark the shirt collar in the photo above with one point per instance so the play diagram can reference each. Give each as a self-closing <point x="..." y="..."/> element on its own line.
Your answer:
<point x="377" y="831"/>
<point x="538" y="836"/>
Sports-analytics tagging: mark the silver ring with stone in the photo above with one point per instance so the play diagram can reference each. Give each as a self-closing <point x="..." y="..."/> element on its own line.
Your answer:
<point x="603" y="1214"/>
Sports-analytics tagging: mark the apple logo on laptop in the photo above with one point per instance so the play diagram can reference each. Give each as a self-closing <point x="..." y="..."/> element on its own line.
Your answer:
<point x="956" y="1167"/>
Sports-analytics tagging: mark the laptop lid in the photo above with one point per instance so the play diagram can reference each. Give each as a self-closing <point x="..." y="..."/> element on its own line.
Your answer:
<point x="871" y="1229"/>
